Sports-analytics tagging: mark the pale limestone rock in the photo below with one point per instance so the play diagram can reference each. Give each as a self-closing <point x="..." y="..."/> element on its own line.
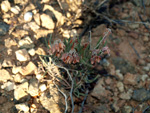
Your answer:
<point x="33" y="87"/>
<point x="42" y="87"/>
<point x="144" y="77"/>
<point x="23" y="107"/>
<point x="146" y="68"/>
<point x="120" y="75"/>
<point x="4" y="75"/>
<point x="60" y="18"/>
<point x="127" y="109"/>
<point x="22" y="55"/>
<point x="18" y="78"/>
<point x="9" y="86"/>
<point x="7" y="62"/>
<point x="39" y="76"/>
<point x="40" y="51"/>
<point x="5" y="6"/>
<point x="10" y="42"/>
<point x="21" y="91"/>
<point x="28" y="16"/>
<point x="47" y="21"/>
<point x="33" y="26"/>
<point x="120" y="86"/>
<point x="31" y="52"/>
<point x="131" y="79"/>
<point x="29" y="69"/>
<point x="99" y="91"/>
<point x="15" y="69"/>
<point x="15" y="9"/>
<point x="125" y="96"/>
<point x="37" y="18"/>
<point x="26" y="43"/>
<point x="45" y="1"/>
<point x="52" y="100"/>
<point x="20" y="1"/>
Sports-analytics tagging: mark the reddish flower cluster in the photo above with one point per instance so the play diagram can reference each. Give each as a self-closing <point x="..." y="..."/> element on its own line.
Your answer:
<point x="71" y="57"/>
<point x="57" y="48"/>
<point x="106" y="50"/>
<point x="95" y="57"/>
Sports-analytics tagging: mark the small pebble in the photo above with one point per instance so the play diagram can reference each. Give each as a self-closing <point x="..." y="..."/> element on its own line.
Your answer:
<point x="43" y="87"/>
<point x="146" y="68"/>
<point x="28" y="16"/>
<point x="39" y="76"/>
<point x="144" y="77"/>
<point x="31" y="52"/>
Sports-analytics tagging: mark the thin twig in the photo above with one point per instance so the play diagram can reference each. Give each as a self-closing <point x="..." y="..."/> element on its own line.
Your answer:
<point x="144" y="23"/>
<point x="104" y="37"/>
<point x="72" y="84"/>
<point x="134" y="50"/>
<point x="128" y="21"/>
<point x="82" y="105"/>
<point x="72" y="81"/>
<point x="146" y="109"/>
<point x="60" y="5"/>
<point x="90" y="40"/>
<point x="63" y="95"/>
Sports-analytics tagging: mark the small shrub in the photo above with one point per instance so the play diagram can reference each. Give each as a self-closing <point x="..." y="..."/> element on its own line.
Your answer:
<point x="80" y="59"/>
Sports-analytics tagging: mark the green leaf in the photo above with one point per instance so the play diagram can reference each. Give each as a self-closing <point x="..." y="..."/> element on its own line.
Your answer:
<point x="90" y="81"/>
<point x="46" y="43"/>
<point x="50" y="39"/>
<point x="98" y="43"/>
<point x="86" y="51"/>
<point x="86" y="63"/>
<point x="105" y="43"/>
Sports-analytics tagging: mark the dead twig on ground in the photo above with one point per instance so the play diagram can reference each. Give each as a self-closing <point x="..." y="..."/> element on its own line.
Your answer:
<point x="63" y="95"/>
<point x="82" y="105"/>
<point x="72" y="84"/>
<point x="49" y="66"/>
<point x="135" y="50"/>
<point x="145" y="24"/>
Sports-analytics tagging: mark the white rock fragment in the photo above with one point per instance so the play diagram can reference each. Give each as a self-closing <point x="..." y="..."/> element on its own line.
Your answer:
<point x="10" y="42"/>
<point x="22" y="107"/>
<point x="30" y="68"/>
<point x="18" y="78"/>
<point x="43" y="87"/>
<point x="39" y="76"/>
<point x="5" y="6"/>
<point x="9" y="51"/>
<point x="33" y="26"/>
<point x="37" y="18"/>
<point x="120" y="75"/>
<point x="7" y="62"/>
<point x="148" y="65"/>
<point x="28" y="16"/>
<point x="26" y="43"/>
<point x="146" y="68"/>
<point x="15" y="69"/>
<point x="47" y="21"/>
<point x="31" y="52"/>
<point x="126" y="95"/>
<point x="144" y="77"/>
<point x="33" y="87"/>
<point x="22" y="55"/>
<point x="45" y="1"/>
<point x="4" y="75"/>
<point x="15" y="10"/>
<point x="120" y="86"/>
<point x="9" y="86"/>
<point x="21" y="90"/>
<point x="127" y="109"/>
